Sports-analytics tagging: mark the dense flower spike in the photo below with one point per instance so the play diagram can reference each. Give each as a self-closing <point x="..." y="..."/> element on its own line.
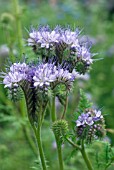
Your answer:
<point x="90" y="125"/>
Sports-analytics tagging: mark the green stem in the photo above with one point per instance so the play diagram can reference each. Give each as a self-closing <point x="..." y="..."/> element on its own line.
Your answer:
<point x="85" y="157"/>
<point x="65" y="107"/>
<point x="53" y="109"/>
<point x="73" y="144"/>
<point x="59" y="150"/>
<point x="39" y="143"/>
<point x="18" y="25"/>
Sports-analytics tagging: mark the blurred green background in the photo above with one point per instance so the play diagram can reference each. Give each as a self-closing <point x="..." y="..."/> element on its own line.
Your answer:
<point x="96" y="19"/>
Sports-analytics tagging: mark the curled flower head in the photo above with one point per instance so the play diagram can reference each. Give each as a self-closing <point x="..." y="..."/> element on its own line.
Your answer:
<point x="17" y="73"/>
<point x="19" y="67"/>
<point x="44" y="37"/>
<point x="90" y="125"/>
<point x="46" y="74"/>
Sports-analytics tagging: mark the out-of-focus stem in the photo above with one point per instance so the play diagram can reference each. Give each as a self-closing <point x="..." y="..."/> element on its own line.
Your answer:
<point x="18" y="25"/>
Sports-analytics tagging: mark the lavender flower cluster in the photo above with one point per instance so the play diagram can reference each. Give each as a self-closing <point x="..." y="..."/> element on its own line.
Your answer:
<point x="45" y="37"/>
<point x="17" y="73"/>
<point x="60" y="39"/>
<point x="61" y="60"/>
<point x="90" y="125"/>
<point x="41" y="76"/>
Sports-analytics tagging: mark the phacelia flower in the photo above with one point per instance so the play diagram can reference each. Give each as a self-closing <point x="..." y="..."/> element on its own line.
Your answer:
<point x="45" y="37"/>
<point x="69" y="37"/>
<point x="46" y="74"/>
<point x="84" y="54"/>
<point x="65" y="45"/>
<point x="90" y="125"/>
<point x="17" y="73"/>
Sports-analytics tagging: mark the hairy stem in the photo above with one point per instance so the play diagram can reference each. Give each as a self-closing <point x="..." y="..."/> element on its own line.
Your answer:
<point x="59" y="150"/>
<point x="53" y="109"/>
<point x="39" y="144"/>
<point x="37" y="129"/>
<point x="65" y="107"/>
<point x="85" y="157"/>
<point x="82" y="150"/>
<point x="73" y="144"/>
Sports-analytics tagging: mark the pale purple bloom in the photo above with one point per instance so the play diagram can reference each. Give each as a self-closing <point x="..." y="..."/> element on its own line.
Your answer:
<point x="89" y="121"/>
<point x="44" y="75"/>
<point x="89" y="118"/>
<point x="46" y="37"/>
<point x="19" y="67"/>
<point x="47" y="73"/>
<point x="17" y="73"/>
<point x="65" y="75"/>
<point x="84" y="54"/>
<point x="81" y="119"/>
<point x="12" y="78"/>
<point x="97" y="115"/>
<point x="34" y="36"/>
<point x="69" y="37"/>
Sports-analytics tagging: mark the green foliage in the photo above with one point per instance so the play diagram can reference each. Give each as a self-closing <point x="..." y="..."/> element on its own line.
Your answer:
<point x="105" y="158"/>
<point x="83" y="104"/>
<point x="81" y="67"/>
<point x="37" y="165"/>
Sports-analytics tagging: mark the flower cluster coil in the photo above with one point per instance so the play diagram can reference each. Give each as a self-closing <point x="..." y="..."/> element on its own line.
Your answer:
<point x="90" y="125"/>
<point x="60" y="39"/>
